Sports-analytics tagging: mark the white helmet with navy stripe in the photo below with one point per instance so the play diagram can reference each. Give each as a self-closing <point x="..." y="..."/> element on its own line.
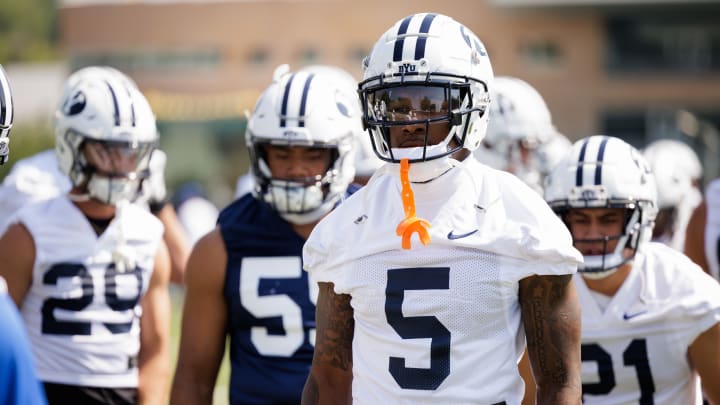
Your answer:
<point x="447" y="64"/>
<point x="307" y="108"/>
<point x="102" y="106"/>
<point x="6" y="116"/>
<point x="606" y="172"/>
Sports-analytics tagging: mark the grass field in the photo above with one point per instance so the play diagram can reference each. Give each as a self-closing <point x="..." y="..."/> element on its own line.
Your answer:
<point x="221" y="387"/>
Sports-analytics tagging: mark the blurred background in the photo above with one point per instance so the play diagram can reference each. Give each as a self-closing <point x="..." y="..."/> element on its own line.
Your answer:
<point x="637" y="69"/>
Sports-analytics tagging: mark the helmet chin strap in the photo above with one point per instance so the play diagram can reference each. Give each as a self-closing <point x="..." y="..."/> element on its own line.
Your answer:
<point x="79" y="197"/>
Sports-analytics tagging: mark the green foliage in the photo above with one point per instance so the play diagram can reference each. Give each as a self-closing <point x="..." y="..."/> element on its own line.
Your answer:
<point x="28" y="30"/>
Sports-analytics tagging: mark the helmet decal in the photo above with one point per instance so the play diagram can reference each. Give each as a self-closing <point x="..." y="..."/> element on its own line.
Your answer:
<point x="421" y="40"/>
<point x="597" y="162"/>
<point x="303" y="101"/>
<point x="76" y="104"/>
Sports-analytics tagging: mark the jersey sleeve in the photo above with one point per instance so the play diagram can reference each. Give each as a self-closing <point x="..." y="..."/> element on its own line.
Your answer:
<point x="317" y="251"/>
<point x="701" y="302"/>
<point x="538" y="233"/>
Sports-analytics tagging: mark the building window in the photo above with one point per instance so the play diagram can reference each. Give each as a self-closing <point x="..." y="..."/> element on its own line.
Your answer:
<point x="150" y="60"/>
<point x="663" y="43"/>
<point x="309" y="56"/>
<point x="259" y="57"/>
<point x="541" y="53"/>
<point x="357" y="55"/>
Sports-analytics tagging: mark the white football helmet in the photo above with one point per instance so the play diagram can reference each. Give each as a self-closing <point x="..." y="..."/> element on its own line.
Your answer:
<point x="310" y="109"/>
<point x="521" y="137"/>
<point x="606" y="172"/>
<point x="446" y="65"/>
<point x="6" y="116"/>
<point x="102" y="110"/>
<point x="365" y="160"/>
<point x="677" y="168"/>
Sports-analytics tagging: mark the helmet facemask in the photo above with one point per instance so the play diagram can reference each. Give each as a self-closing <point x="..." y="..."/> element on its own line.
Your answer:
<point x="6" y="116"/>
<point x="605" y="172"/>
<point x="105" y="133"/>
<point x="301" y="200"/>
<point x="627" y="241"/>
<point x="429" y="100"/>
<point x="109" y="171"/>
<point x="312" y="109"/>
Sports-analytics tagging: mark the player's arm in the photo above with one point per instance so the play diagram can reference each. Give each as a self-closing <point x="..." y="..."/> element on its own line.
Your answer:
<point x="204" y="322"/>
<point x="154" y="356"/>
<point x="526" y="374"/>
<point x="330" y="379"/>
<point x="17" y="253"/>
<point x="551" y="316"/>
<point x="695" y="237"/>
<point x="176" y="242"/>
<point x="704" y="354"/>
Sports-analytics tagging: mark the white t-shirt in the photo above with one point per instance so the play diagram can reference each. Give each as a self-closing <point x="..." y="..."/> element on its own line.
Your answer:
<point x="439" y="323"/>
<point x="82" y="311"/>
<point x="640" y="342"/>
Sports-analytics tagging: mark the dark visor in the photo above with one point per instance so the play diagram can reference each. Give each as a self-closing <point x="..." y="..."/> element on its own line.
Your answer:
<point x="412" y="102"/>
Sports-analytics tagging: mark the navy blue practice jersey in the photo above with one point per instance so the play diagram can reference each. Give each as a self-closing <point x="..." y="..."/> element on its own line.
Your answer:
<point x="271" y="305"/>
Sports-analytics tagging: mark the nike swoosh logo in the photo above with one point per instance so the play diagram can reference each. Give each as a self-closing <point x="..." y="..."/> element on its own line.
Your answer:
<point x="453" y="236"/>
<point x="627" y="316"/>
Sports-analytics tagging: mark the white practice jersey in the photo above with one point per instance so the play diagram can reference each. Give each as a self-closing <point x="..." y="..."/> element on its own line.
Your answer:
<point x="712" y="228"/>
<point x="636" y="350"/>
<point x="82" y="310"/>
<point x="439" y="323"/>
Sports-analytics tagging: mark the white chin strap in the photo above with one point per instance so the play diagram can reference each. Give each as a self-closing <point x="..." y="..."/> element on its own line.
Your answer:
<point x="308" y="217"/>
<point x="600" y="266"/>
<point x="296" y="204"/>
<point x="112" y="191"/>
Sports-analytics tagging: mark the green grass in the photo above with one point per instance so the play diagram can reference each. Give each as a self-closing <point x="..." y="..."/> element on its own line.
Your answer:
<point x="220" y="396"/>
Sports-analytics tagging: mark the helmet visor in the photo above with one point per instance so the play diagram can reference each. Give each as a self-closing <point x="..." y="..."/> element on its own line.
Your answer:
<point x="118" y="159"/>
<point x="412" y="103"/>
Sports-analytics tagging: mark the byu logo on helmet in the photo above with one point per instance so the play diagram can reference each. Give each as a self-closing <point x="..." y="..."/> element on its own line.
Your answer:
<point x="75" y="104"/>
<point x="406" y="68"/>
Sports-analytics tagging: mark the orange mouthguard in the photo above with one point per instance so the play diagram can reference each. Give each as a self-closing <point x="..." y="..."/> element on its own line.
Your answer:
<point x="411" y="224"/>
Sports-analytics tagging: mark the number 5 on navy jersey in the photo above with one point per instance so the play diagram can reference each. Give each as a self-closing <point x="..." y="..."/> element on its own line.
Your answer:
<point x="255" y="269"/>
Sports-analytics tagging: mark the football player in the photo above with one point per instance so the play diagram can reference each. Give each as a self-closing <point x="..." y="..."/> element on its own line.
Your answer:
<point x="245" y="278"/>
<point x="678" y="173"/>
<point x="88" y="270"/>
<point x="650" y="316"/>
<point x="39" y="177"/>
<point x="19" y="381"/>
<point x="445" y="321"/>
<point x="702" y="242"/>
<point x="7" y="112"/>
<point x="521" y="137"/>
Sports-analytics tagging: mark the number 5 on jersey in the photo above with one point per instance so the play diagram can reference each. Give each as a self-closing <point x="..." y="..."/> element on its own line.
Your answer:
<point x="254" y="269"/>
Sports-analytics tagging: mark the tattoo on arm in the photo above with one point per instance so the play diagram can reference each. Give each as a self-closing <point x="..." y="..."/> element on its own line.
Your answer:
<point x="335" y="326"/>
<point x="552" y="322"/>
